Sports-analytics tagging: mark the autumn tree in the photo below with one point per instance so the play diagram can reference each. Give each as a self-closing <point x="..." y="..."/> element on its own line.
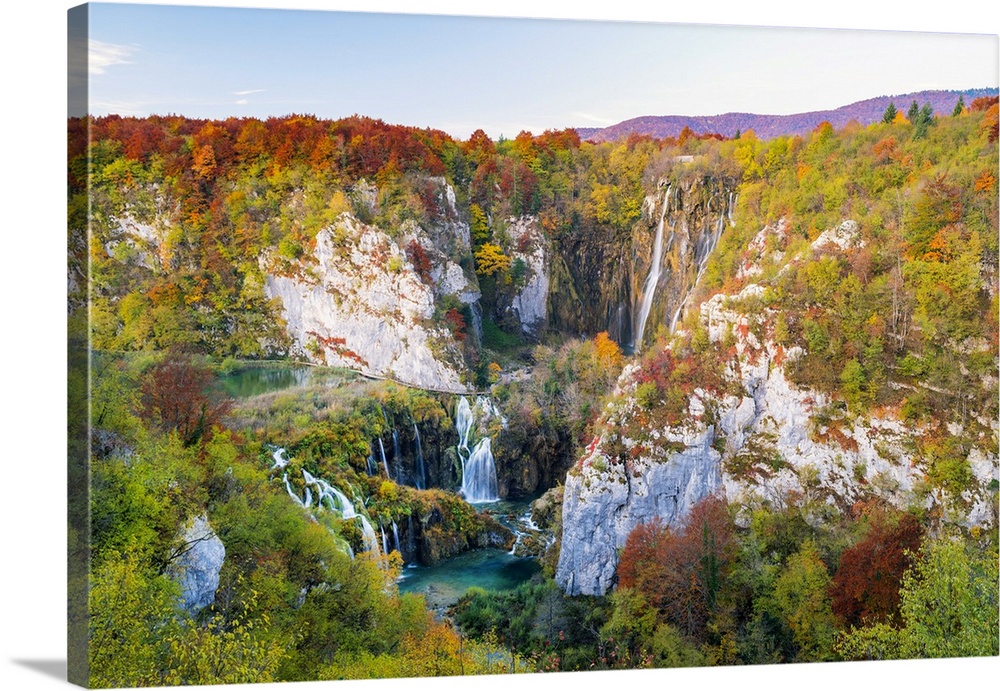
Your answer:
<point x="948" y="606"/>
<point x="491" y="260"/>
<point x="865" y="588"/>
<point x="801" y="595"/>
<point x="177" y="396"/>
<point x="681" y="572"/>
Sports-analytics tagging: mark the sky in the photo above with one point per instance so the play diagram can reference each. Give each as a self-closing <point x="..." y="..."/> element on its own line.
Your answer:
<point x="503" y="75"/>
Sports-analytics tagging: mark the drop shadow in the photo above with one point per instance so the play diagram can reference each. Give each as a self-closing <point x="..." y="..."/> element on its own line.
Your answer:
<point x="51" y="668"/>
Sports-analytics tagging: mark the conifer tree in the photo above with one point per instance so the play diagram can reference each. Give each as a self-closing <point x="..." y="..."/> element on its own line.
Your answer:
<point x="890" y="114"/>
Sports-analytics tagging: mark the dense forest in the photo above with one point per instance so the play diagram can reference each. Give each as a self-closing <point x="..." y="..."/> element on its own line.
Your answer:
<point x="186" y="222"/>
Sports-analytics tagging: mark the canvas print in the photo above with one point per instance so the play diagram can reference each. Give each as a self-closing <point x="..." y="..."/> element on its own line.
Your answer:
<point x="523" y="346"/>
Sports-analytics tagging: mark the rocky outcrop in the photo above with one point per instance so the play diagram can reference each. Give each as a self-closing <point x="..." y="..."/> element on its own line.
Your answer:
<point x="439" y="536"/>
<point x="606" y="497"/>
<point x="529" y="304"/>
<point x="359" y="302"/>
<point x="196" y="563"/>
<point x="761" y="439"/>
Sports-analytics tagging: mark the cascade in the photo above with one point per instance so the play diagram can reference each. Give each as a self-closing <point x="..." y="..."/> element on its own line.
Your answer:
<point x="291" y="492"/>
<point x="368" y="533"/>
<point x="410" y="537"/>
<point x="397" y="458"/>
<point x="381" y="448"/>
<point x="706" y="248"/>
<point x="479" y="471"/>
<point x="372" y="468"/>
<point x="395" y="536"/>
<point x="463" y="424"/>
<point x="335" y="500"/>
<point x="479" y="474"/>
<point x="385" y="543"/>
<point x="421" y="472"/>
<point x="280" y="461"/>
<point x="649" y="287"/>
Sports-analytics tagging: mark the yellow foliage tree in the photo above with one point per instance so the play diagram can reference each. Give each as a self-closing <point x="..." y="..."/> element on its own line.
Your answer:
<point x="490" y="259"/>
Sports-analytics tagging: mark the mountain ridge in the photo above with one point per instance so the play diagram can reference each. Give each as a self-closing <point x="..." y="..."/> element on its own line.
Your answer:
<point x="769" y="126"/>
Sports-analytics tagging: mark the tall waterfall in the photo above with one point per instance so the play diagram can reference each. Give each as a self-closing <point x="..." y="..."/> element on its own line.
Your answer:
<point x="381" y="448"/>
<point x="479" y="474"/>
<point x="479" y="471"/>
<point x="649" y="288"/>
<point x="397" y="458"/>
<point x="421" y="480"/>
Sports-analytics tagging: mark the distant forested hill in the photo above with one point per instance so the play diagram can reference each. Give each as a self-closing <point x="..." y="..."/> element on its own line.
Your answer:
<point x="769" y="126"/>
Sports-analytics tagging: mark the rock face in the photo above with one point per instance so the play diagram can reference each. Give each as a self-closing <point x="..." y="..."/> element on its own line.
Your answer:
<point x="759" y="444"/>
<point x="196" y="569"/>
<point x="600" y="277"/>
<point x="694" y="211"/>
<point x="359" y="302"/>
<point x="530" y="303"/>
<point x="603" y="504"/>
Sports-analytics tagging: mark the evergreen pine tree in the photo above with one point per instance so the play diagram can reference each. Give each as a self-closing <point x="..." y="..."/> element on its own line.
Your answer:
<point x="959" y="107"/>
<point x="890" y="114"/>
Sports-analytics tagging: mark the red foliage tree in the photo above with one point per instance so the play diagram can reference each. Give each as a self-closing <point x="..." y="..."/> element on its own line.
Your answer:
<point x="681" y="572"/>
<point x="865" y="588"/>
<point x="177" y="396"/>
<point x="456" y="323"/>
<point x="421" y="262"/>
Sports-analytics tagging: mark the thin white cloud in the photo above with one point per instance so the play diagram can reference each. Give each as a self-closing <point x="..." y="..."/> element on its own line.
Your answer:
<point x="242" y="102"/>
<point x="103" y="55"/>
<point x="595" y="118"/>
<point x="117" y="108"/>
<point x="247" y="92"/>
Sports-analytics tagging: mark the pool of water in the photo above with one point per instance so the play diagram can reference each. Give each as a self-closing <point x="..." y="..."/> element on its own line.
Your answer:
<point x="255" y="380"/>
<point x="491" y="569"/>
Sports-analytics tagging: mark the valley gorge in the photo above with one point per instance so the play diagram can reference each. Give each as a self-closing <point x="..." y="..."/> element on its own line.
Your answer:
<point x="553" y="359"/>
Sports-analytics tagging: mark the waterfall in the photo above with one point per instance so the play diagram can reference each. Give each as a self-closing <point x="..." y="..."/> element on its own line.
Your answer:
<point x="381" y="448"/>
<point x="395" y="536"/>
<point x="397" y="458"/>
<point x="479" y="474"/>
<point x="291" y="492"/>
<point x="280" y="461"/>
<point x="421" y="472"/>
<point x="477" y="320"/>
<point x="333" y="499"/>
<point x="410" y="537"/>
<point x="479" y="471"/>
<point x="385" y="544"/>
<point x="706" y="247"/>
<point x="463" y="423"/>
<point x="368" y="533"/>
<point x="372" y="468"/>
<point x="649" y="287"/>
